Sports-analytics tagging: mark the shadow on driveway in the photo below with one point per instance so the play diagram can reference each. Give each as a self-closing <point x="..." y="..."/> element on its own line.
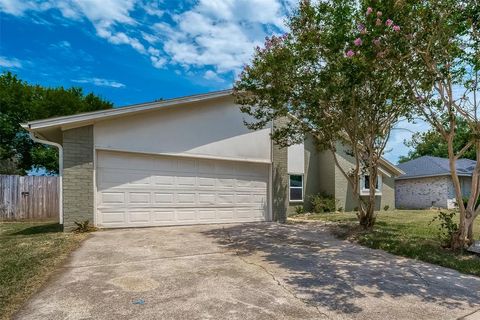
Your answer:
<point x="346" y="278"/>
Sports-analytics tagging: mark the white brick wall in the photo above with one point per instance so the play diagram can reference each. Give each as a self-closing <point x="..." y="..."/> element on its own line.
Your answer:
<point x="422" y="193"/>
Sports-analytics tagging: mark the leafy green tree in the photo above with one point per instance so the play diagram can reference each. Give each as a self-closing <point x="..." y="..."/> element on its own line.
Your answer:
<point x="444" y="64"/>
<point x="21" y="102"/>
<point x="333" y="76"/>
<point x="431" y="143"/>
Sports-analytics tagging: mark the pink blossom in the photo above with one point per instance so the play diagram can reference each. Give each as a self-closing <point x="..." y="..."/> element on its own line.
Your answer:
<point x="350" y="53"/>
<point x="389" y="22"/>
<point x="378" y="22"/>
<point x="369" y="10"/>
<point x="379" y="14"/>
<point x="376" y="42"/>
<point x="361" y="27"/>
<point x="358" y="42"/>
<point x="396" y="28"/>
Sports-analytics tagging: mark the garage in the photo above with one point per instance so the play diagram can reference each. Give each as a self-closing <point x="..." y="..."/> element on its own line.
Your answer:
<point x="135" y="189"/>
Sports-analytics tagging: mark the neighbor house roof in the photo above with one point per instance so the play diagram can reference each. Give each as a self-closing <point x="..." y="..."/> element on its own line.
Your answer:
<point x="428" y="166"/>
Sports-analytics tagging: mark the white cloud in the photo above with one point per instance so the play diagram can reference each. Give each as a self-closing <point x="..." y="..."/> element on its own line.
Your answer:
<point x="100" y="82"/>
<point x="211" y="75"/>
<point x="219" y="34"/>
<point x="10" y="62"/>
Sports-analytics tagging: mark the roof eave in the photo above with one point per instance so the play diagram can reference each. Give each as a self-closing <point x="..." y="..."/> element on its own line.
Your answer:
<point x="87" y="118"/>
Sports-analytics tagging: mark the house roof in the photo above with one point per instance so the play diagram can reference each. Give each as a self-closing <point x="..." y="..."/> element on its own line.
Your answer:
<point x="428" y="166"/>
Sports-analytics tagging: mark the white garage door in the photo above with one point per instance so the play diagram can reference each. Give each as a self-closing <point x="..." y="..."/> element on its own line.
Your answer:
<point x="143" y="190"/>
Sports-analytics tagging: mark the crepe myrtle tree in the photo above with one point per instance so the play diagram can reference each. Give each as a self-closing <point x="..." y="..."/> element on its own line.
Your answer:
<point x="333" y="76"/>
<point x="444" y="64"/>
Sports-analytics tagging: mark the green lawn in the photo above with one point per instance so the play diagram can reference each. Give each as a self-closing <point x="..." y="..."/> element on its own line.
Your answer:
<point x="404" y="233"/>
<point x="29" y="254"/>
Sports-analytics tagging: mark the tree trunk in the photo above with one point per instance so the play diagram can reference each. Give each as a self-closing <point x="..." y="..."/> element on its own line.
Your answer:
<point x="464" y="236"/>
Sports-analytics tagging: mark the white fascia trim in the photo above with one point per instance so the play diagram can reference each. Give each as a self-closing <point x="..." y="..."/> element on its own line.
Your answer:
<point x="98" y="115"/>
<point x="185" y="155"/>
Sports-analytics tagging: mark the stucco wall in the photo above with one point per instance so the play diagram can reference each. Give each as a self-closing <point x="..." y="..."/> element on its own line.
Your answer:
<point x="78" y="176"/>
<point x="326" y="172"/>
<point x="311" y="182"/>
<point x="388" y="193"/>
<point x="211" y="129"/>
<point x="343" y="189"/>
<point x="422" y="193"/>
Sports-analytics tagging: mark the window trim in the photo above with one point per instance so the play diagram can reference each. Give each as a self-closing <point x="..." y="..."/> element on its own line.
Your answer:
<point x="366" y="192"/>
<point x="302" y="188"/>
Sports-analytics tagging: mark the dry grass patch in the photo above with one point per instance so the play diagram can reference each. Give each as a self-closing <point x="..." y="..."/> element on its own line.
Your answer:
<point x="29" y="254"/>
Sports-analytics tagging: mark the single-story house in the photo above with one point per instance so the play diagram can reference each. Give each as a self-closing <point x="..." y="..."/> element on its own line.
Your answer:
<point x="188" y="160"/>
<point x="427" y="183"/>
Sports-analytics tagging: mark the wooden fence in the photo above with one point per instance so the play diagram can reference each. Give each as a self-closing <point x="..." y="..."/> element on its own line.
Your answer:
<point x="26" y="197"/>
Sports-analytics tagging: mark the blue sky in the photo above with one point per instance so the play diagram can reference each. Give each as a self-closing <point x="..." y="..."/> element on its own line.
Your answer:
<point x="131" y="51"/>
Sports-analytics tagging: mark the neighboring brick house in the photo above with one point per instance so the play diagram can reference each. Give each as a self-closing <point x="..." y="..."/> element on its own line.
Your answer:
<point x="427" y="183"/>
<point x="188" y="160"/>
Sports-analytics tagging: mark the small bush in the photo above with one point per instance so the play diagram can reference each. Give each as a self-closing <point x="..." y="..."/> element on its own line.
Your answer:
<point x="386" y="207"/>
<point x="323" y="203"/>
<point x="299" y="210"/>
<point x="447" y="227"/>
<point x="83" y="227"/>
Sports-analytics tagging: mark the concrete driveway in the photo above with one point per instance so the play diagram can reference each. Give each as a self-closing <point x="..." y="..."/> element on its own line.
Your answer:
<point x="250" y="271"/>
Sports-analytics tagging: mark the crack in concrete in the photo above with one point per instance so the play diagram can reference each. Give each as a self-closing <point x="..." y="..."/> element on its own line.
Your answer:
<point x="277" y="281"/>
<point x="469" y="314"/>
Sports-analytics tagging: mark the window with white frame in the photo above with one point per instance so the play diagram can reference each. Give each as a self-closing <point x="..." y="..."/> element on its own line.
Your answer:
<point x="365" y="185"/>
<point x="296" y="187"/>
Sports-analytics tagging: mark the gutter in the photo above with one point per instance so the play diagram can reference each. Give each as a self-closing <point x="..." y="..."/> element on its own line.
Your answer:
<point x="60" y="167"/>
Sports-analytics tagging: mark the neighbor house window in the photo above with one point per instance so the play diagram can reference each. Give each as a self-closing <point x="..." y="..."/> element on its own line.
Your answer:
<point x="365" y="184"/>
<point x="296" y="187"/>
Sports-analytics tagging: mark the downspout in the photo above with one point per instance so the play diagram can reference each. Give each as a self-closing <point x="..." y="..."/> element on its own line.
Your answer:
<point x="60" y="171"/>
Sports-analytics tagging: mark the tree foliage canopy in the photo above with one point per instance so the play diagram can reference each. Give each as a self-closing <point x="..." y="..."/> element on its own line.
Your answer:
<point x="431" y="143"/>
<point x="21" y="102"/>
<point x="335" y="76"/>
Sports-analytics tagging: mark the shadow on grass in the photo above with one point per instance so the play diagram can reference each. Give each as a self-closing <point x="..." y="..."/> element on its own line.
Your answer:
<point x="44" y="228"/>
<point x="337" y="274"/>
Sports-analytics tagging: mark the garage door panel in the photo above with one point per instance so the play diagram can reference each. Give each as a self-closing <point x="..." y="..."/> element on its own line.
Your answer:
<point x="163" y="216"/>
<point x="140" y="197"/>
<point x="186" y="215"/>
<point x="112" y="216"/>
<point x="139" y="216"/>
<point x="142" y="190"/>
<point x="113" y="197"/>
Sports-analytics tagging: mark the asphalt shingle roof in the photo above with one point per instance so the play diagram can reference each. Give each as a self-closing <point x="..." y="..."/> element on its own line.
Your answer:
<point x="434" y="166"/>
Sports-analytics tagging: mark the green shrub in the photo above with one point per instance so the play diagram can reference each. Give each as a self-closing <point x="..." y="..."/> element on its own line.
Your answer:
<point x="447" y="227"/>
<point x="299" y="210"/>
<point x="386" y="207"/>
<point x="83" y="227"/>
<point x="323" y="203"/>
